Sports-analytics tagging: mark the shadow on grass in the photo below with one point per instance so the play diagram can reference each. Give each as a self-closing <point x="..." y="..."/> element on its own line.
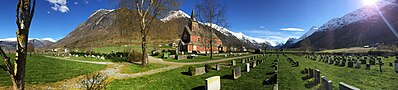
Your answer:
<point x="185" y="73"/>
<point x="310" y="84"/>
<point x="199" y="88"/>
<point x="227" y="77"/>
<point x="306" y="77"/>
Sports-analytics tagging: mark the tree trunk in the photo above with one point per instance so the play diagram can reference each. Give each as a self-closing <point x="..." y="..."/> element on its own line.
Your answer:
<point x="211" y="43"/>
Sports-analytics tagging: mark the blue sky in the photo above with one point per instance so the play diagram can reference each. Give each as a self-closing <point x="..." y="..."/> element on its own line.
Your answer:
<point x="272" y="20"/>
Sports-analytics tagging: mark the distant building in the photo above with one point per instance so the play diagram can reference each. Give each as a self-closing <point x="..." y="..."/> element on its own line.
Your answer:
<point x="195" y="39"/>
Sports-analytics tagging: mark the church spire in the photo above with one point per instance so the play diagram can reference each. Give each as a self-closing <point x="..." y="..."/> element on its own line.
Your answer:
<point x="193" y="15"/>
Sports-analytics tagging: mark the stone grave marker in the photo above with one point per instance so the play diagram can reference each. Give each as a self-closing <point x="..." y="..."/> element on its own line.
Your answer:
<point x="200" y="71"/>
<point x="218" y="67"/>
<point x="367" y="66"/>
<point x="306" y="70"/>
<point x="102" y="58"/>
<point x="233" y="62"/>
<point x="311" y="73"/>
<point x="372" y="62"/>
<point x="317" y="76"/>
<point x="396" y="65"/>
<point x="236" y="72"/>
<point x="327" y="84"/>
<point x="363" y="61"/>
<point x="213" y="83"/>
<point x="350" y="64"/>
<point x="247" y="67"/>
<point x="243" y="61"/>
<point x="343" y="86"/>
<point x="254" y="64"/>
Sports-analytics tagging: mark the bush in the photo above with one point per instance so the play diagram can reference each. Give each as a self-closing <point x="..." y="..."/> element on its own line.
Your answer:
<point x="207" y="67"/>
<point x="191" y="70"/>
<point x="95" y="81"/>
<point x="134" y="56"/>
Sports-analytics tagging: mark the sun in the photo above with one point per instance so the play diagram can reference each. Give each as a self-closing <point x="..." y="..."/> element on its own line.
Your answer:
<point x="369" y="2"/>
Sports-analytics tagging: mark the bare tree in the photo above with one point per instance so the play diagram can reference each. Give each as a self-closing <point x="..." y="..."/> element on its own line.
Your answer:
<point x="24" y="16"/>
<point x="148" y="11"/>
<point x="211" y="12"/>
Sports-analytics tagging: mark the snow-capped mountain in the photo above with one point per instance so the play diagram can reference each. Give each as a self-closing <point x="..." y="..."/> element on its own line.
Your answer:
<point x="175" y="14"/>
<point x="105" y="11"/>
<point x="305" y="35"/>
<point x="364" y="13"/>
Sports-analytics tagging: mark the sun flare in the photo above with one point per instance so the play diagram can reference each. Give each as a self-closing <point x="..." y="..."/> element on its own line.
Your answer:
<point x="369" y="2"/>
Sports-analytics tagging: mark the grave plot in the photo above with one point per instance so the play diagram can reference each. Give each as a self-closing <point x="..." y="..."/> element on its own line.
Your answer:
<point x="362" y="77"/>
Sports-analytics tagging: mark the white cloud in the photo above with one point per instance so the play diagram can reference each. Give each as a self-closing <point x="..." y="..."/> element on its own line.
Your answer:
<point x="75" y="3"/>
<point x="48" y="12"/>
<point x="86" y="2"/>
<point x="15" y="39"/>
<point x="59" y="5"/>
<point x="292" y="29"/>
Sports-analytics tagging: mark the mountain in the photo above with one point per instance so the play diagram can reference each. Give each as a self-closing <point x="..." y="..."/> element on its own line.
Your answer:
<point x="11" y="44"/>
<point x="119" y="27"/>
<point x="361" y="27"/>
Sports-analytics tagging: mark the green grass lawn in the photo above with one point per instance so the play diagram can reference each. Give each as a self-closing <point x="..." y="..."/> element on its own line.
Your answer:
<point x="178" y="79"/>
<point x="133" y="68"/>
<point x="40" y="69"/>
<point x="201" y="58"/>
<point x="123" y="48"/>
<point x="360" y="78"/>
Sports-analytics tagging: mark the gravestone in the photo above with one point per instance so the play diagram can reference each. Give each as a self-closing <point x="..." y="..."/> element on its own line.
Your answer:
<point x="343" y="86"/>
<point x="181" y="57"/>
<point x="102" y="58"/>
<point x="396" y="65"/>
<point x="305" y="70"/>
<point x="390" y="64"/>
<point x="317" y="76"/>
<point x="350" y="64"/>
<point x="200" y="71"/>
<point x="236" y="72"/>
<point x="363" y="61"/>
<point x="243" y="61"/>
<point x="327" y="84"/>
<point x="247" y="67"/>
<point x="311" y="73"/>
<point x="254" y="64"/>
<point x="367" y="66"/>
<point x="343" y="63"/>
<point x="213" y="83"/>
<point x="372" y="62"/>
<point x="233" y="62"/>
<point x="218" y="67"/>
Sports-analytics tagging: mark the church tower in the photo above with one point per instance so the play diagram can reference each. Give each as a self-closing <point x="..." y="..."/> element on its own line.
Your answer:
<point x="193" y="24"/>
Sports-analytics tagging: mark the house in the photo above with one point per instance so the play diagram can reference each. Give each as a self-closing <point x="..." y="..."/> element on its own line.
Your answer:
<point x="195" y="39"/>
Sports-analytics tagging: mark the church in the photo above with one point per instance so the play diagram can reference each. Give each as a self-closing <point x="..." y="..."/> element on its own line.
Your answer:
<point x="196" y="39"/>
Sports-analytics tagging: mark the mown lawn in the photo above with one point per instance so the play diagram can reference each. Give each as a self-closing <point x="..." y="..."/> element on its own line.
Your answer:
<point x="178" y="79"/>
<point x="364" y="79"/>
<point x="133" y="68"/>
<point x="201" y="58"/>
<point x="40" y="69"/>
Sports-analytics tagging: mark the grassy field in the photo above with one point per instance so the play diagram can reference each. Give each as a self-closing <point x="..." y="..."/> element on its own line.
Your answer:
<point x="40" y="69"/>
<point x="124" y="48"/>
<point x="291" y="78"/>
<point x="201" y="58"/>
<point x="138" y="68"/>
<point x="178" y="79"/>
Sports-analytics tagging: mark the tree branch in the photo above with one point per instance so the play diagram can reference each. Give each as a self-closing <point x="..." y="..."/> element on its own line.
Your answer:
<point x="17" y="15"/>
<point x="33" y="11"/>
<point x="7" y="61"/>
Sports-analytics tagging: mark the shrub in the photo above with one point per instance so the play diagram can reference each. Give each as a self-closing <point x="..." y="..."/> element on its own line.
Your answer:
<point x="191" y="70"/>
<point x="95" y="81"/>
<point x="207" y="67"/>
<point x="134" y="56"/>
